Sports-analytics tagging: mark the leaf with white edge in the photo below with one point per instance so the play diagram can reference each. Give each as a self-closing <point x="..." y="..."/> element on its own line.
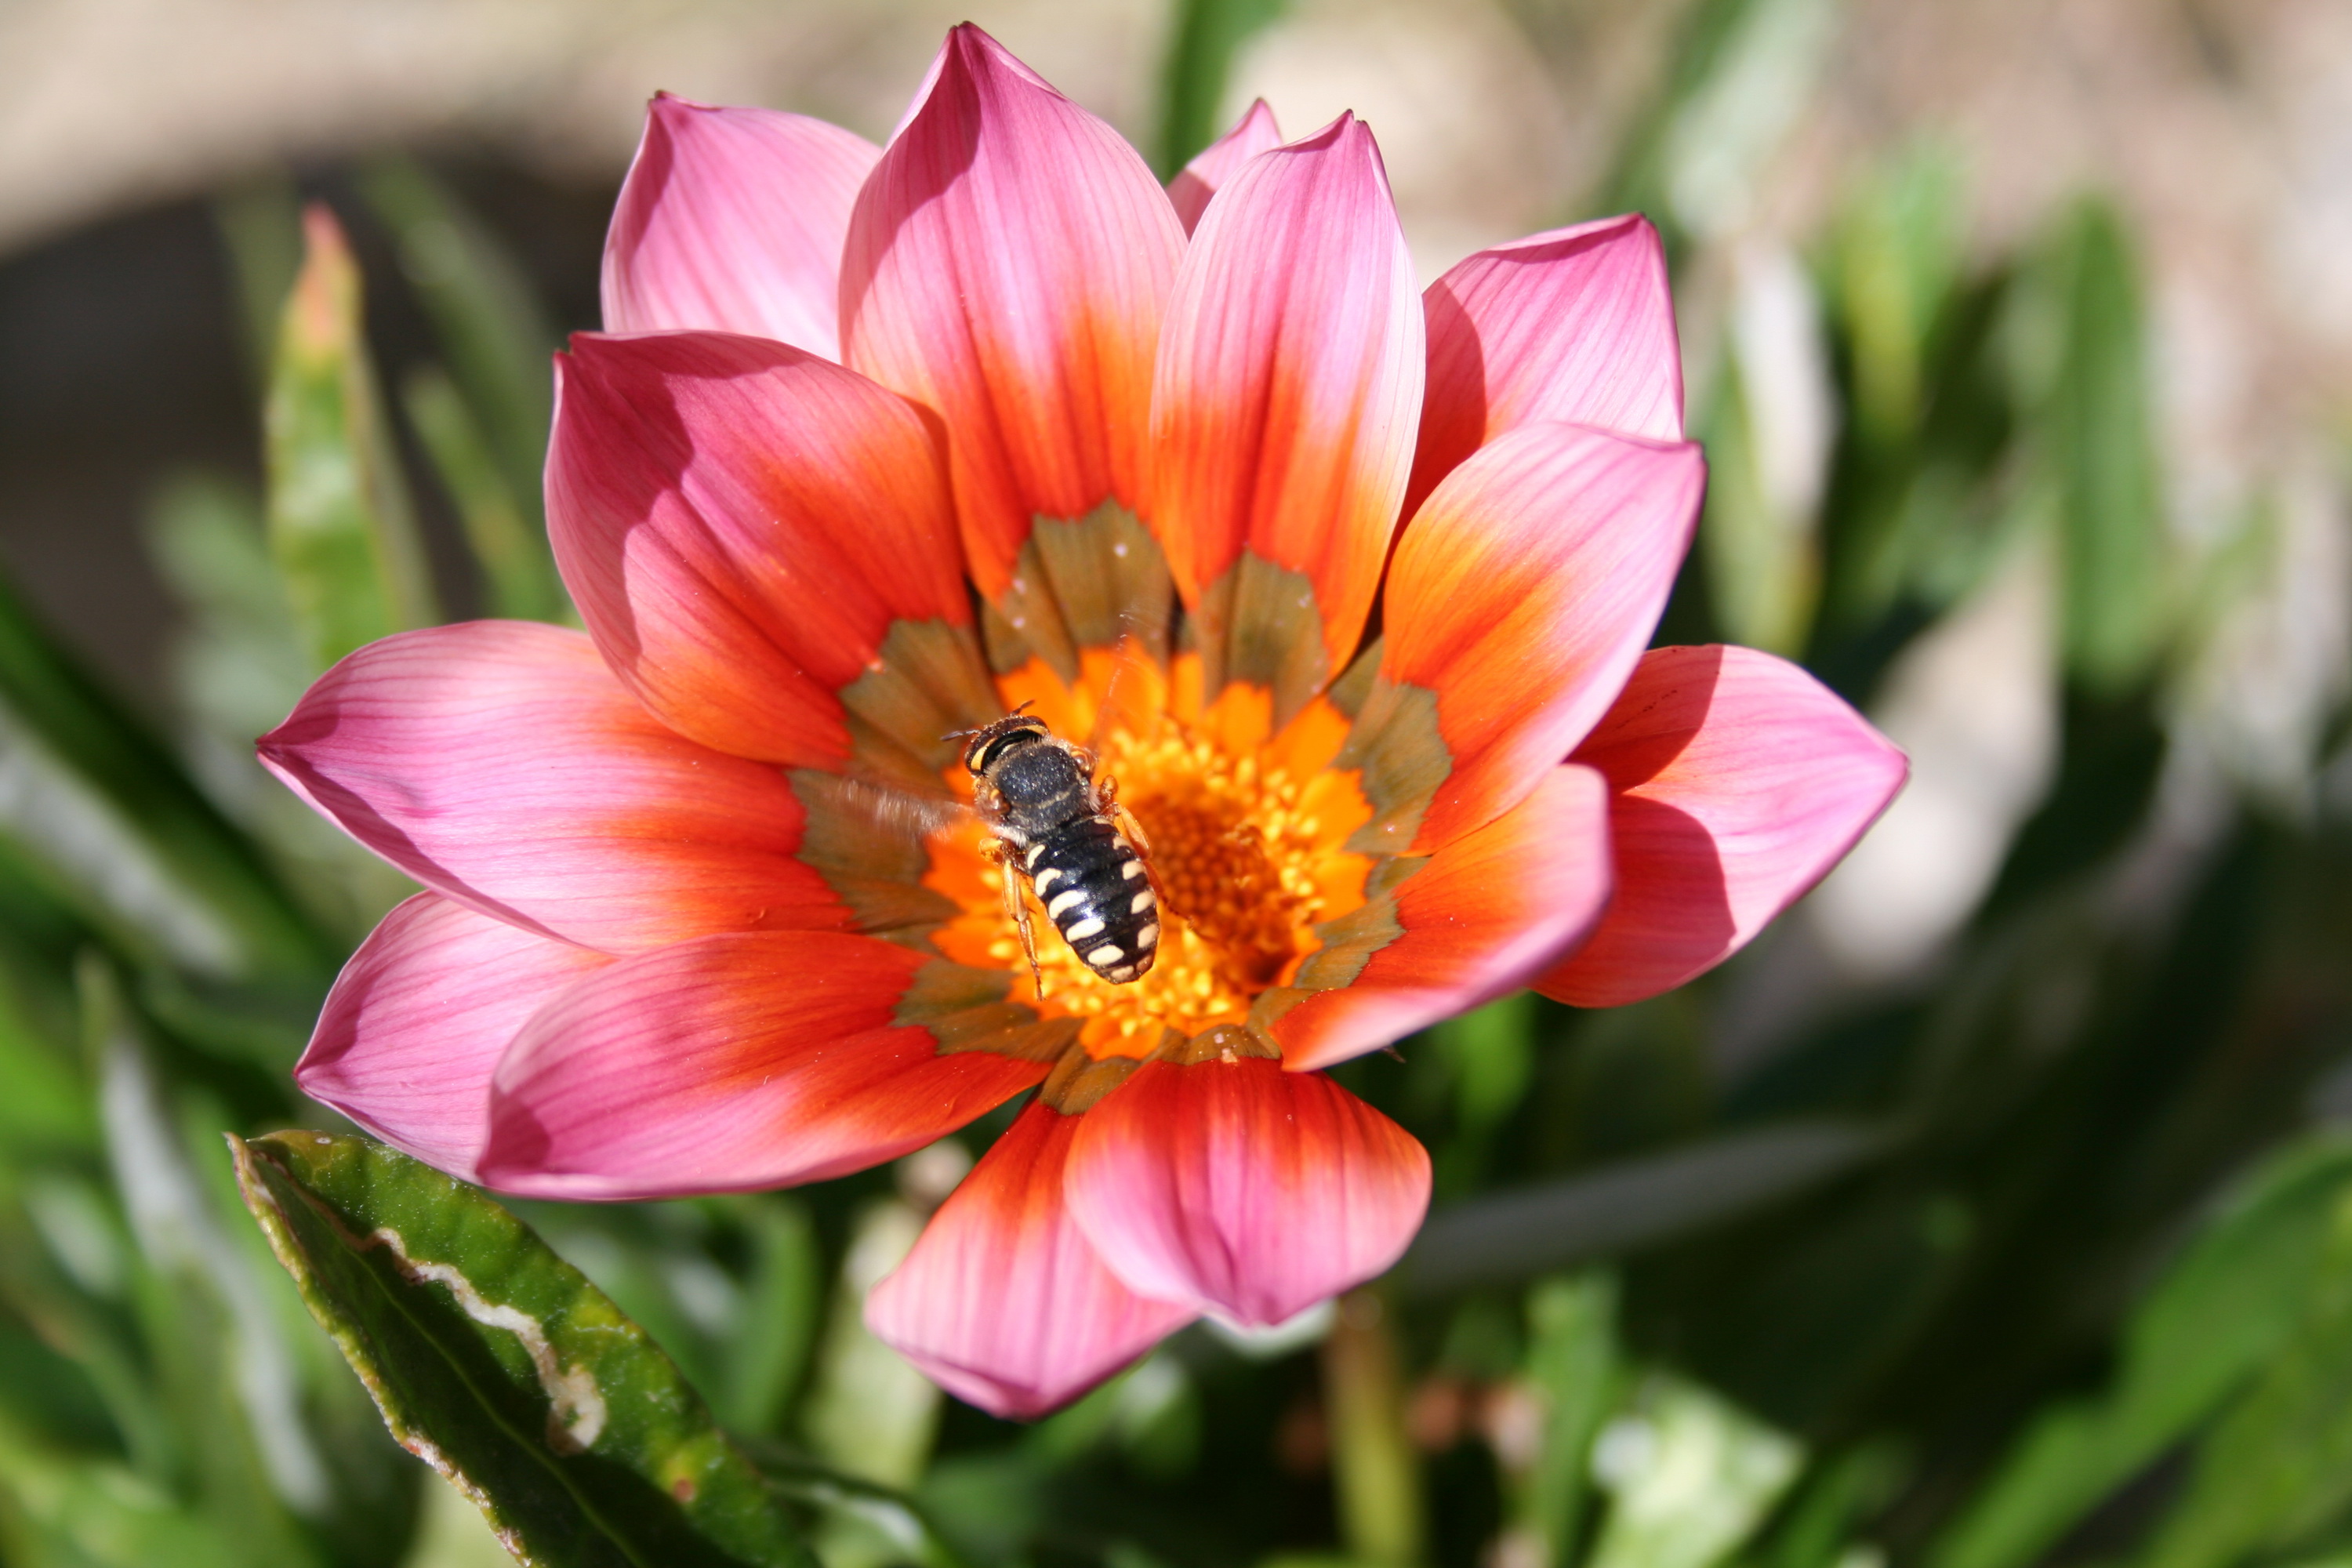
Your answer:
<point x="498" y="1364"/>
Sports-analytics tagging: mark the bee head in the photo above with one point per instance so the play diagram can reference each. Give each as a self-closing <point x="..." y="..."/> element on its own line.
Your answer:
<point x="989" y="743"/>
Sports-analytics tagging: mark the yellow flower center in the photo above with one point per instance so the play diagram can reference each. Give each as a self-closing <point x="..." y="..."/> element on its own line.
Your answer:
<point x="1243" y="832"/>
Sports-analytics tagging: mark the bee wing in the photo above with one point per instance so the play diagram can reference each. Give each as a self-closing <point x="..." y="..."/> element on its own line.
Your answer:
<point x="889" y="809"/>
<point x="1142" y="636"/>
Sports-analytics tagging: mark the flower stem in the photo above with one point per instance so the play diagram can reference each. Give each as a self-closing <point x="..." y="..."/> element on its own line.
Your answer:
<point x="1373" y="1466"/>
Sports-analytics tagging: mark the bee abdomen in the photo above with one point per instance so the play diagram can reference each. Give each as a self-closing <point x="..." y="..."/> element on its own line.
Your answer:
<point x="1093" y="885"/>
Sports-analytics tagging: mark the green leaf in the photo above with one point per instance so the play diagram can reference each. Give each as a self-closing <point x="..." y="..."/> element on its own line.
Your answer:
<point x="71" y="1512"/>
<point x="261" y="225"/>
<point x="501" y="1364"/>
<point x="1743" y="70"/>
<point x="1817" y="1528"/>
<point x="494" y="335"/>
<point x="1513" y="1235"/>
<point x="1689" y="1476"/>
<point x="1895" y="255"/>
<point x="338" y="516"/>
<point x="870" y="1414"/>
<point x="2100" y="430"/>
<point x="1574" y="1372"/>
<point x="508" y="545"/>
<point x="860" y="1514"/>
<point x="1490" y="1055"/>
<point x="2218" y="1315"/>
<point x="1759" y="534"/>
<point x="103" y="817"/>
<point x="783" y="1300"/>
<point x="1208" y="34"/>
<point x="239" y="662"/>
<point x="225" y="1342"/>
<point x="2276" y="1473"/>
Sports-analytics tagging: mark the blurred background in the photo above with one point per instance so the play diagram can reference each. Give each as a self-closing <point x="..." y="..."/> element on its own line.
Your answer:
<point x="1995" y="1209"/>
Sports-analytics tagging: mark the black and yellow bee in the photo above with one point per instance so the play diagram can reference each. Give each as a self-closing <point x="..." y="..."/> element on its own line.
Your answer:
<point x="1064" y="831"/>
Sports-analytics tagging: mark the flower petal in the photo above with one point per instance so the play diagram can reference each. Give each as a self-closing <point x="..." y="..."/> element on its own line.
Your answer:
<point x="1283" y="411"/>
<point x="733" y="220"/>
<point x="1006" y="267"/>
<point x="1738" y="781"/>
<point x="1577" y="325"/>
<point x="1477" y="920"/>
<point x="500" y="764"/>
<point x="1520" y="598"/>
<point x="1220" y="161"/>
<point x="1222" y="1181"/>
<point x="1002" y="1302"/>
<point x="733" y="1063"/>
<point x="743" y="525"/>
<point x="418" y="1018"/>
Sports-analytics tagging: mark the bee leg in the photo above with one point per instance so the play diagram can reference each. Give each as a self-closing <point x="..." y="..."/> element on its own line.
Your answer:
<point x="1016" y="908"/>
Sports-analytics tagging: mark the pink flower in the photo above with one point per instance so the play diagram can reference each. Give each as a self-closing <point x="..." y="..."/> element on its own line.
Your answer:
<point x="885" y="441"/>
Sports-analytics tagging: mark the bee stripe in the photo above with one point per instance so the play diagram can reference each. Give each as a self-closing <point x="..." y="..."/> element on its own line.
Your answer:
<point x="1044" y="878"/>
<point x="1105" y="955"/>
<point x="1141" y="902"/>
<point x="1065" y="900"/>
<point x="1083" y="929"/>
<point x="1130" y="869"/>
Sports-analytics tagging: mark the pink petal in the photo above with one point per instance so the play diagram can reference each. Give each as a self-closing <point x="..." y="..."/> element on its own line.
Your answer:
<point x="500" y="764"/>
<point x="733" y="220"/>
<point x="1224" y="1182"/>
<point x="1002" y="1302"/>
<point x="1577" y="325"/>
<point x="741" y="523"/>
<point x="1284" y="407"/>
<point x="418" y="1018"/>
<point x="1739" y="780"/>
<point x="1005" y="268"/>
<point x="1480" y="919"/>
<point x="1521" y="596"/>
<point x="1220" y="161"/>
<point x="734" y="1063"/>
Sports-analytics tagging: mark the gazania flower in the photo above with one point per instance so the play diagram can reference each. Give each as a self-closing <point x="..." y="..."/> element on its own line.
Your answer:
<point x="1350" y="586"/>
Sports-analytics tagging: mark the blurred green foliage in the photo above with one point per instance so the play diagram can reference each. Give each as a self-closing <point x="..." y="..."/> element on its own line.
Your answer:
<point x="1205" y="35"/>
<point x="2039" y="1252"/>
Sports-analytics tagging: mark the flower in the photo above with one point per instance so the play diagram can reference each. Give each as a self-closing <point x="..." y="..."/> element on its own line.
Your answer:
<point x="883" y="442"/>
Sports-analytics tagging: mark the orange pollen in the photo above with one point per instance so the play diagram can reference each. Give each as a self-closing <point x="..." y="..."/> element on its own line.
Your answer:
<point x="1234" y="852"/>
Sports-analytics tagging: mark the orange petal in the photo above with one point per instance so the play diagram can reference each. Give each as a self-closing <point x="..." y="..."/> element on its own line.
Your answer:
<point x="1519" y="600"/>
<point x="1740" y="780"/>
<point x="1003" y="1301"/>
<point x="1284" y="409"/>
<point x="498" y="763"/>
<point x="742" y="524"/>
<point x="735" y="1063"/>
<point x="1222" y="1181"/>
<point x="414" y="1030"/>
<point x="1220" y="161"/>
<point x="733" y="220"/>
<point x="1006" y="267"/>
<point x="1478" y="920"/>
<point x="1575" y="325"/>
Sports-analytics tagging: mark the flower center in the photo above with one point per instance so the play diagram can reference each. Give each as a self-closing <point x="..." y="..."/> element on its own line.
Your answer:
<point x="1230" y="845"/>
<point x="1244" y="830"/>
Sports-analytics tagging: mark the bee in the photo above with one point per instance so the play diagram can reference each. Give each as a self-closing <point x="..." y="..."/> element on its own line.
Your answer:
<point x="1064" y="834"/>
